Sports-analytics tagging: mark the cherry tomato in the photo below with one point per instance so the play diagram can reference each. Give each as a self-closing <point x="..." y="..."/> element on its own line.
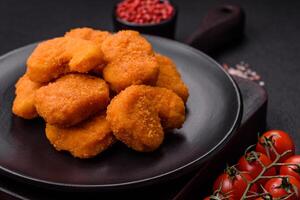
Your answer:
<point x="292" y="170"/>
<point x="282" y="187"/>
<point x="281" y="142"/>
<point x="234" y="183"/>
<point x="248" y="163"/>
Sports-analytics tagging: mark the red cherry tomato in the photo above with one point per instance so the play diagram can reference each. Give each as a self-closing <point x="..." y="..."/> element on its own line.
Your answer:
<point x="248" y="163"/>
<point x="292" y="170"/>
<point x="282" y="187"/>
<point x="234" y="183"/>
<point x="281" y="142"/>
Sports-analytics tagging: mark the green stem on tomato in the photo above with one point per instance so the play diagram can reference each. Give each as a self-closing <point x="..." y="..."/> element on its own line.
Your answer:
<point x="264" y="169"/>
<point x="287" y="164"/>
<point x="257" y="195"/>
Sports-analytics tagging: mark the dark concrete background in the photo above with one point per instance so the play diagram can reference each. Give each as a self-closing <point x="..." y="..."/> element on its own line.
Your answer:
<point x="271" y="44"/>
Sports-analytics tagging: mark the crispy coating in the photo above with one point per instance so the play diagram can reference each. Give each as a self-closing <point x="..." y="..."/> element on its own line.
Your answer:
<point x="93" y="35"/>
<point x="58" y="56"/>
<point x="170" y="78"/>
<point x="124" y="43"/>
<point x="86" y="33"/>
<point x="171" y="108"/>
<point x="131" y="60"/>
<point x="84" y="140"/>
<point x="139" y="114"/>
<point x="23" y="105"/>
<point x="129" y="70"/>
<point x="71" y="99"/>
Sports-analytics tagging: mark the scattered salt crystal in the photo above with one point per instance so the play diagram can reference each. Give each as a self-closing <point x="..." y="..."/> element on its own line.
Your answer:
<point x="240" y="67"/>
<point x="261" y="83"/>
<point x="243" y="70"/>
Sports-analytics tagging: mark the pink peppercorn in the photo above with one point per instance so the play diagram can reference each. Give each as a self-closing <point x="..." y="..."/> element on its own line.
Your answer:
<point x="144" y="11"/>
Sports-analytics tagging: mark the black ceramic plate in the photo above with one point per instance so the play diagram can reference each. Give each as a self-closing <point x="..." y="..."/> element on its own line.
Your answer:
<point x="213" y="113"/>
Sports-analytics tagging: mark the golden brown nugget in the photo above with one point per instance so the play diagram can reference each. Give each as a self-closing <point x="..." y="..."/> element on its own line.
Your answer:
<point x="84" y="140"/>
<point x="139" y="114"/>
<point x="71" y="99"/>
<point x="124" y="43"/>
<point x="93" y="35"/>
<point x="58" y="56"/>
<point x="170" y="78"/>
<point x="131" y="60"/>
<point x="90" y="34"/>
<point x="23" y="105"/>
<point x="129" y="70"/>
<point x="170" y="106"/>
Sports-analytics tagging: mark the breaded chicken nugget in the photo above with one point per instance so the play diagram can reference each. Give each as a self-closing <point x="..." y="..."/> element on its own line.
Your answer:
<point x="129" y="70"/>
<point x="23" y="105"/>
<point x="139" y="114"/>
<point x="58" y="56"/>
<point x="71" y="99"/>
<point x="84" y="140"/>
<point x="90" y="34"/>
<point x="124" y="43"/>
<point x="131" y="60"/>
<point x="170" y="78"/>
<point x="171" y="108"/>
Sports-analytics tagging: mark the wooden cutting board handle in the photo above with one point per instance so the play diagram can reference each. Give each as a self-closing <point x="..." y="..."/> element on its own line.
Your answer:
<point x="223" y="25"/>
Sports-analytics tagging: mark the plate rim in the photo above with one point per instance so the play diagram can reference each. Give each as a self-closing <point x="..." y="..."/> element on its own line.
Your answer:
<point x="145" y="181"/>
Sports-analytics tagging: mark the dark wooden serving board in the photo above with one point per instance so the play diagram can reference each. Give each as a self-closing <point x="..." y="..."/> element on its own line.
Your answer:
<point x="255" y="102"/>
<point x="191" y="186"/>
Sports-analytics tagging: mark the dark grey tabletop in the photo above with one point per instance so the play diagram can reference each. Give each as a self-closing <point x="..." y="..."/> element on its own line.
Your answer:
<point x="271" y="44"/>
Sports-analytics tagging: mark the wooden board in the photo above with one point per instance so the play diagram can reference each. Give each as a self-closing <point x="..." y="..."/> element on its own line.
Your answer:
<point x="253" y="122"/>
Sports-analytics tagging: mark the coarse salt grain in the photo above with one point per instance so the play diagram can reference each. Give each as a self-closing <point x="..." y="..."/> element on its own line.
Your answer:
<point x="243" y="70"/>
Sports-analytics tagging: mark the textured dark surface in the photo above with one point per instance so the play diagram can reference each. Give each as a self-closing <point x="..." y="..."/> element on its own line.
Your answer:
<point x="271" y="45"/>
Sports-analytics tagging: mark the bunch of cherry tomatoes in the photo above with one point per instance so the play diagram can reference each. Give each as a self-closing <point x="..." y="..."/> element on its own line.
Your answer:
<point x="268" y="170"/>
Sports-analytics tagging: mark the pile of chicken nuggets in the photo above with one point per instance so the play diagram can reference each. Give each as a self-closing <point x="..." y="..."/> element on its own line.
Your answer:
<point x="94" y="88"/>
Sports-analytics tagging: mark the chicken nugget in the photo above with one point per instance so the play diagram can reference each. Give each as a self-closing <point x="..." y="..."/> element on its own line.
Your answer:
<point x="58" y="56"/>
<point x="124" y="43"/>
<point x="84" y="140"/>
<point x="129" y="70"/>
<point x="170" y="106"/>
<point x="71" y="99"/>
<point x="23" y="105"/>
<point x="93" y="35"/>
<point x="139" y="114"/>
<point x="130" y="60"/>
<point x="90" y="34"/>
<point x="170" y="78"/>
